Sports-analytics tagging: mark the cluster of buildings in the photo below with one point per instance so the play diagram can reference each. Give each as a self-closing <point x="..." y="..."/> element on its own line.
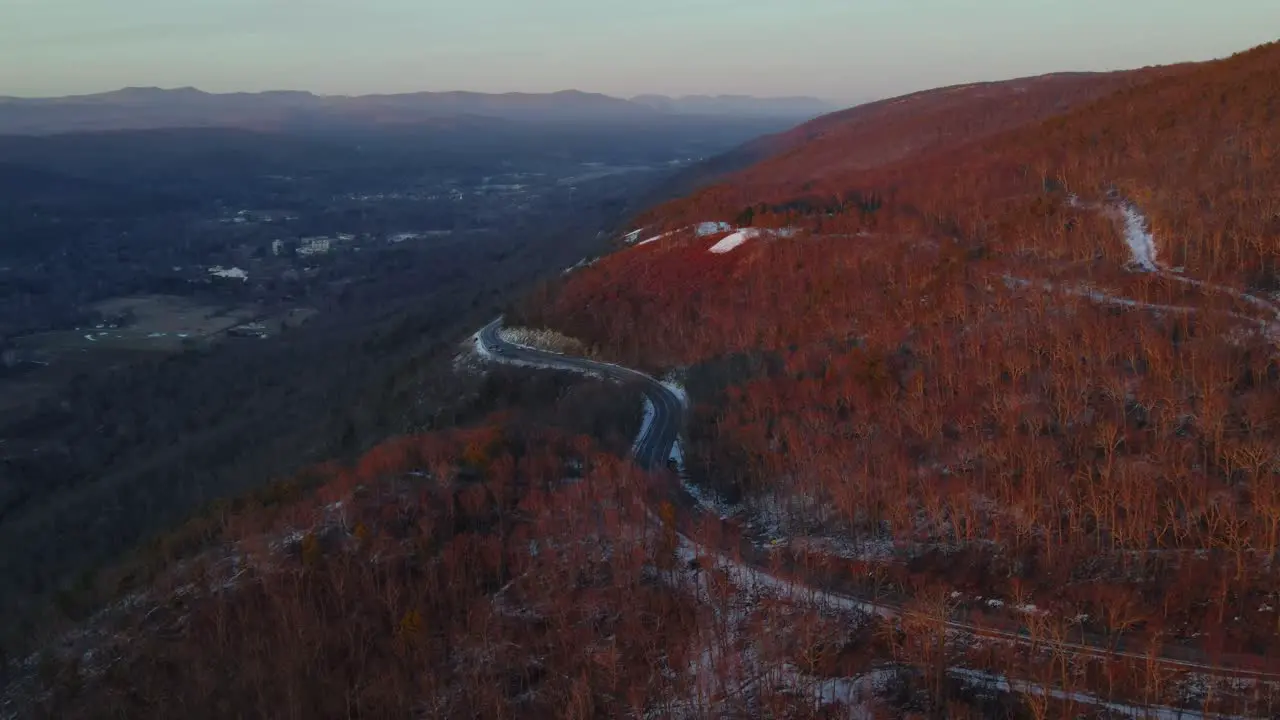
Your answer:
<point x="307" y="246"/>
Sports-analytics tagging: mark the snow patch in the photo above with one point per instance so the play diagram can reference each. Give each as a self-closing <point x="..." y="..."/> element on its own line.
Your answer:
<point x="1140" y="241"/>
<point x="669" y="382"/>
<point x="705" y="229"/>
<point x="645" y="424"/>
<point x="731" y="242"/>
<point x="481" y="349"/>
<point x="632" y="236"/>
<point x="677" y="456"/>
<point x="656" y="238"/>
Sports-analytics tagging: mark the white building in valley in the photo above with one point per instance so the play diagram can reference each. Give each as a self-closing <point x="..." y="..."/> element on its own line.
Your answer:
<point x="232" y="273"/>
<point x="315" y="246"/>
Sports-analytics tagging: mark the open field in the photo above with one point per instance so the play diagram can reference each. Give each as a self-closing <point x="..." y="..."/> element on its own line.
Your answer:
<point x="152" y="322"/>
<point x="132" y="329"/>
<point x="161" y="323"/>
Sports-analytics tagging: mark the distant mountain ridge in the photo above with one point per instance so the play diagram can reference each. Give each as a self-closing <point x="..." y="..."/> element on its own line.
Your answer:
<point x="737" y="105"/>
<point x="144" y="108"/>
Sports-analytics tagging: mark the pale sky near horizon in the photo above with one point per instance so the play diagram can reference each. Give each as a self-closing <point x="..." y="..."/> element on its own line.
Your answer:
<point x="840" y="50"/>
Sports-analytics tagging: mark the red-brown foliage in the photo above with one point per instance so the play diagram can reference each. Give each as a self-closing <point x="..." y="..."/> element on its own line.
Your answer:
<point x="1075" y="446"/>
<point x="492" y="572"/>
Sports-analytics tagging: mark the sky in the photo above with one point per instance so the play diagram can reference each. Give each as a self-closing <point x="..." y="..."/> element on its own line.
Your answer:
<point x="839" y="50"/>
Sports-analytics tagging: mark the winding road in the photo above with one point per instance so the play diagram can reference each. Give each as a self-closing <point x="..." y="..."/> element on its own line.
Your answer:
<point x="653" y="448"/>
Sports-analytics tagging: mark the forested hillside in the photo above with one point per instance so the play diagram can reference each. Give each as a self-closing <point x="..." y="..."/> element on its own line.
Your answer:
<point x="1033" y="368"/>
<point x="983" y="412"/>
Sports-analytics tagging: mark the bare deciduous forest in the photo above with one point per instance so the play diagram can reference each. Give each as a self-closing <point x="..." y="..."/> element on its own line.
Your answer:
<point x="984" y="400"/>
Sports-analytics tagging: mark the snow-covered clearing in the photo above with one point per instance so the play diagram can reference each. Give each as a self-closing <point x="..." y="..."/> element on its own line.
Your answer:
<point x="736" y="236"/>
<point x="733" y="241"/>
<point x="701" y="230"/>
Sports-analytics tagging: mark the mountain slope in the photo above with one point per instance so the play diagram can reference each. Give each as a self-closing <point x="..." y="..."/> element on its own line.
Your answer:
<point x="959" y="371"/>
<point x="1029" y="359"/>
<point x="880" y="132"/>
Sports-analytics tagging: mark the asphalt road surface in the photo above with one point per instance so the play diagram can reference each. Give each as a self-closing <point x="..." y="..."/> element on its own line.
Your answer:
<point x="653" y="448"/>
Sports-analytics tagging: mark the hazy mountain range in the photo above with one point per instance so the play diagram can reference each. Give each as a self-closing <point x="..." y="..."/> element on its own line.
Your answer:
<point x="138" y="108"/>
<point x="736" y="105"/>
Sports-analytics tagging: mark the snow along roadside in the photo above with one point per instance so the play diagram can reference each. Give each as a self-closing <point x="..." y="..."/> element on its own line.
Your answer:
<point x="646" y="424"/>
